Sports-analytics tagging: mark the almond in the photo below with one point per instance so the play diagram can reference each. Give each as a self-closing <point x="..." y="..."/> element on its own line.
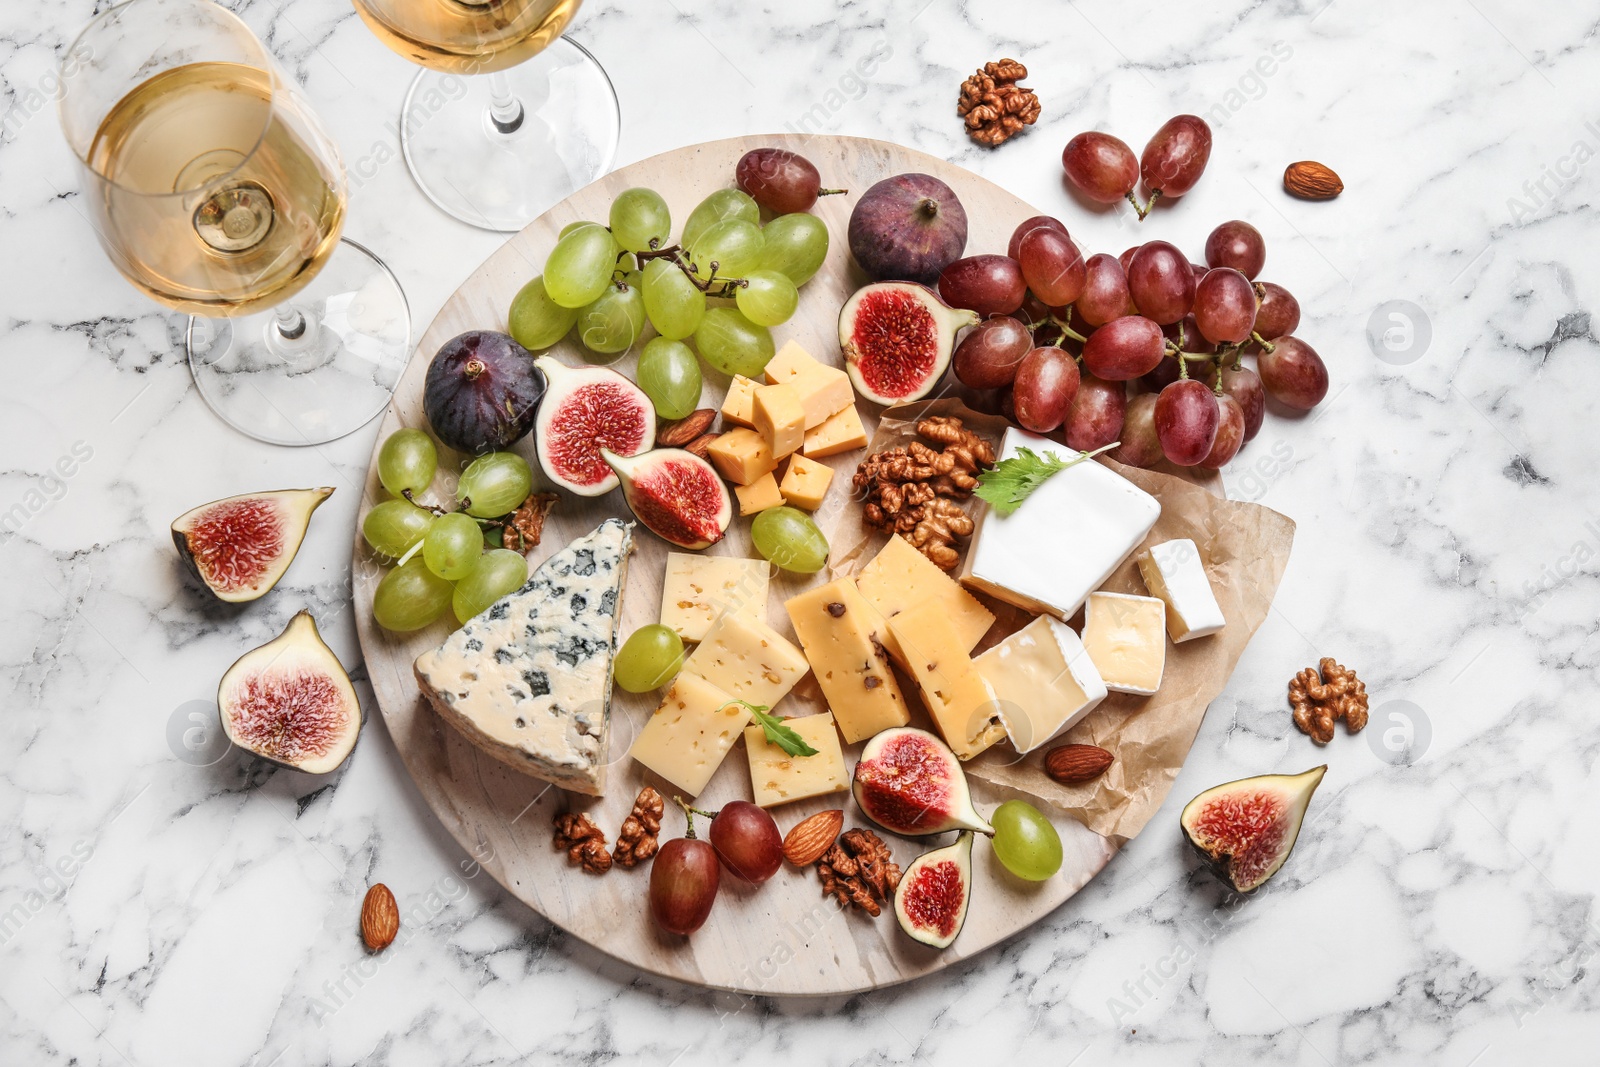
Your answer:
<point x="701" y="446"/>
<point x="1074" y="764"/>
<point x="380" y="918"/>
<point x="1310" y="180"/>
<point x="679" y="433"/>
<point x="810" y="838"/>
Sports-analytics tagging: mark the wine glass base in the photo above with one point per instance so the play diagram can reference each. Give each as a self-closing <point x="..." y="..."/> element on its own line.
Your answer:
<point x="504" y="180"/>
<point x="331" y="380"/>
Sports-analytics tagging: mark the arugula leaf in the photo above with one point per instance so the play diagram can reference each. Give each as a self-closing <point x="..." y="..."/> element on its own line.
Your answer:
<point x="779" y="734"/>
<point x="1008" y="484"/>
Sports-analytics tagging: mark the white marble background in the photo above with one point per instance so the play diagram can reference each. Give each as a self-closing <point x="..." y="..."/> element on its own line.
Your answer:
<point x="1440" y="906"/>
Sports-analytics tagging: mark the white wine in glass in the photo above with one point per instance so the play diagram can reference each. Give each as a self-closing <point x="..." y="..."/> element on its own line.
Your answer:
<point x="214" y="190"/>
<point x="496" y="151"/>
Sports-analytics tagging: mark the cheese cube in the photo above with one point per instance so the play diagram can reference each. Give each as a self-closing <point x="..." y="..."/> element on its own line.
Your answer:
<point x="742" y="456"/>
<point x="738" y="407"/>
<point x="759" y="495"/>
<point x="748" y="659"/>
<point x="1126" y="640"/>
<point x="842" y="432"/>
<point x="690" y="733"/>
<point x="959" y="698"/>
<point x="1174" y="571"/>
<point x="779" y="418"/>
<point x="1066" y="538"/>
<point x="778" y="778"/>
<point x="805" y="483"/>
<point x="1044" y="680"/>
<point x="698" y="589"/>
<point x="822" y="390"/>
<point x="842" y="636"/>
<point x="790" y="361"/>
<point x="900" y="577"/>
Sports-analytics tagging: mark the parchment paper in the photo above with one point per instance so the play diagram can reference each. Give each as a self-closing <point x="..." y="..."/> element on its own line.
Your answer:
<point x="1245" y="548"/>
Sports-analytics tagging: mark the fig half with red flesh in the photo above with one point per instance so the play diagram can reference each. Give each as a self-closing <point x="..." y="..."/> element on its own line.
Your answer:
<point x="675" y="493"/>
<point x="897" y="338"/>
<point x="586" y="410"/>
<point x="241" y="545"/>
<point x="291" y="702"/>
<point x="934" y="892"/>
<point x="1245" y="830"/>
<point x="910" y="783"/>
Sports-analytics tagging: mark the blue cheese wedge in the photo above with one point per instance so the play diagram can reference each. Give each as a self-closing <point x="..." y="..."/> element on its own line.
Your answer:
<point x="529" y="680"/>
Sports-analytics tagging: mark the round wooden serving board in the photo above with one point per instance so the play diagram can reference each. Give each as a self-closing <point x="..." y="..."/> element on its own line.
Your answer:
<point x="784" y="938"/>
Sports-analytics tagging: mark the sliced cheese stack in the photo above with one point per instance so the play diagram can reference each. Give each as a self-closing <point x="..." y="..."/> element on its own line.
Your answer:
<point x="1044" y="681"/>
<point x="1174" y="571"/>
<point x="844" y="639"/>
<point x="900" y="577"/>
<point x="779" y="778"/>
<point x="959" y="699"/>
<point x="697" y="590"/>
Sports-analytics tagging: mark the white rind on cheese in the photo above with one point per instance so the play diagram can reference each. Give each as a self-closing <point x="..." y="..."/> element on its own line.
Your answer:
<point x="1174" y="571"/>
<point x="1044" y="681"/>
<point x="529" y="680"/>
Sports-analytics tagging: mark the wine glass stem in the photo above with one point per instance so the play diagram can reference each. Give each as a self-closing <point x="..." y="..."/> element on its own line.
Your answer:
<point x="291" y="324"/>
<point x="505" y="110"/>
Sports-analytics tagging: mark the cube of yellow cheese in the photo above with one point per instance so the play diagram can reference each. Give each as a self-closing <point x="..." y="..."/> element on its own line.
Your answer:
<point x="778" y="778"/>
<point x="742" y="456"/>
<point x="842" y="432"/>
<point x="960" y="700"/>
<point x="823" y="390"/>
<point x="900" y="577"/>
<point x="697" y="590"/>
<point x="779" y="418"/>
<point x="805" y="483"/>
<point x="843" y="636"/>
<point x="790" y="361"/>
<point x="1126" y="638"/>
<point x="759" y="495"/>
<point x="691" y="732"/>
<point x="738" y="405"/>
<point x="748" y="659"/>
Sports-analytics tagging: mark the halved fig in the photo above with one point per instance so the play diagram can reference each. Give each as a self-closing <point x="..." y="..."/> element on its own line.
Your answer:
<point x="291" y="702"/>
<point x="932" y="897"/>
<point x="897" y="338"/>
<point x="675" y="493"/>
<point x="585" y="410"/>
<point x="241" y="545"/>
<point x="1244" y="830"/>
<point x="910" y="783"/>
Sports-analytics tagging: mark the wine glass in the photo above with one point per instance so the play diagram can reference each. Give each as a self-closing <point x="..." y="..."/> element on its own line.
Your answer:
<point x="215" y="190"/>
<point x="496" y="151"/>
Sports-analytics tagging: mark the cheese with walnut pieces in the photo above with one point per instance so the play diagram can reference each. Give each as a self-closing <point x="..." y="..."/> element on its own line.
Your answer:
<point x="529" y="679"/>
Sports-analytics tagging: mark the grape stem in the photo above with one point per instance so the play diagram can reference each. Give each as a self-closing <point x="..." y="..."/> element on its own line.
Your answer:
<point x="688" y="815"/>
<point x="1266" y="345"/>
<point x="412" y="551"/>
<point x="1067" y="332"/>
<point x="832" y="192"/>
<point x="674" y="253"/>
<point x="435" y="508"/>
<point x="1148" y="204"/>
<point x="466" y="502"/>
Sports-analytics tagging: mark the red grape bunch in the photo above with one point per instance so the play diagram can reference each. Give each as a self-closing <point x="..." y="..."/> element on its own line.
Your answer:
<point x="1103" y="169"/>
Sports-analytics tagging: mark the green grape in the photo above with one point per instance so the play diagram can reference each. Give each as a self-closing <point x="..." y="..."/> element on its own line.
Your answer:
<point x="536" y="321"/>
<point x="720" y="205"/>
<point x="453" y="546"/>
<point x="569" y="227"/>
<point x="580" y="265"/>
<point x="673" y="302"/>
<point x="410" y="597"/>
<point x="734" y="245"/>
<point x="794" y="245"/>
<point x="1025" y="841"/>
<point x="767" y="298"/>
<point x="670" y="376"/>
<point x="789" y="539"/>
<point x="637" y="217"/>
<point x="648" y="659"/>
<point x="732" y="343"/>
<point x="498" y="571"/>
<point x="394" y="526"/>
<point x="495" y="483"/>
<point x="614" y="321"/>
<point x="407" y="460"/>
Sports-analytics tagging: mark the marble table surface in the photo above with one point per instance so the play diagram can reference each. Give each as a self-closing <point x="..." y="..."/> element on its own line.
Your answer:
<point x="1440" y="905"/>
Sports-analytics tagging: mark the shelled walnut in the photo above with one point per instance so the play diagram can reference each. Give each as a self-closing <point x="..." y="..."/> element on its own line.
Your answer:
<point x="913" y="489"/>
<point x="583" y="841"/>
<point x="524" y="527"/>
<point x="859" y="870"/>
<point x="995" y="106"/>
<point x="636" y="841"/>
<point x="1320" y="699"/>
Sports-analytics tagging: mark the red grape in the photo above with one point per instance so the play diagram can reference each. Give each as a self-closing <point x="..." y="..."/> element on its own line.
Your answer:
<point x="1008" y="404"/>
<point x="1047" y="382"/>
<point x="1140" y="446"/>
<point x="988" y="356"/>
<point x="988" y="284"/>
<point x="1198" y="269"/>
<point x="1095" y="418"/>
<point x="683" y="885"/>
<point x="1101" y="166"/>
<point x="1293" y="374"/>
<point x="1230" y="434"/>
<point x="1279" y="312"/>
<point x="1026" y="227"/>
<point x="1244" y="385"/>
<point x="1124" y="348"/>
<point x="1127" y="257"/>
<point x="1160" y="282"/>
<point x="1186" y="421"/>
<point x="1105" y="291"/>
<point x="1239" y="245"/>
<point x="747" y="841"/>
<point x="1224" y="306"/>
<point x="1176" y="156"/>
<point x="780" y="181"/>
<point x="1052" y="266"/>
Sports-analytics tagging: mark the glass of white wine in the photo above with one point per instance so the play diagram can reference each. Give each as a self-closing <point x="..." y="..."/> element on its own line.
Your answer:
<point x="496" y="151"/>
<point x="215" y="191"/>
